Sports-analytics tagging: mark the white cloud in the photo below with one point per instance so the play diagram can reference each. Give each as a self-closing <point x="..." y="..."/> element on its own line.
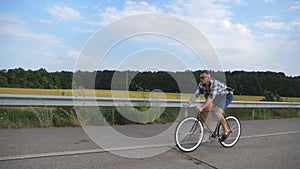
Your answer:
<point x="238" y="46"/>
<point x="86" y="30"/>
<point x="64" y="13"/>
<point x="7" y="18"/>
<point x="73" y="53"/>
<point x="295" y="6"/>
<point x="213" y="20"/>
<point x="227" y="24"/>
<point x="271" y="18"/>
<point x="111" y="14"/>
<point x="142" y="6"/>
<point x="270" y="35"/>
<point x="43" y="21"/>
<point x="271" y="25"/>
<point x="269" y="1"/>
<point x="205" y="10"/>
<point x="296" y="22"/>
<point x="243" y="29"/>
<point x="21" y="34"/>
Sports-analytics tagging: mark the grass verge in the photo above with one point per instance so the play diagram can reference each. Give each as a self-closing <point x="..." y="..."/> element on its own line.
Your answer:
<point x="27" y="117"/>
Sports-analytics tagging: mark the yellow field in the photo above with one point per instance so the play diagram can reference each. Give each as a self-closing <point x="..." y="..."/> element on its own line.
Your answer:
<point x="247" y="98"/>
<point x="86" y="92"/>
<point x="131" y="94"/>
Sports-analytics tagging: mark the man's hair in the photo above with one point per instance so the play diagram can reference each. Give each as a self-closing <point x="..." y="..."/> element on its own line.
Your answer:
<point x="204" y="71"/>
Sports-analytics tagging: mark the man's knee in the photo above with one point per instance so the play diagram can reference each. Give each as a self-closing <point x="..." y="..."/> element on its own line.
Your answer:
<point x="219" y="112"/>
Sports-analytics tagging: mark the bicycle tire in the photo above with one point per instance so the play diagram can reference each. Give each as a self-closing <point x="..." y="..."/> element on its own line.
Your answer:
<point x="189" y="134"/>
<point x="234" y="126"/>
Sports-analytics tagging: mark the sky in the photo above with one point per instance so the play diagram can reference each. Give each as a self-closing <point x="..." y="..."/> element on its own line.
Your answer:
<point x="249" y="35"/>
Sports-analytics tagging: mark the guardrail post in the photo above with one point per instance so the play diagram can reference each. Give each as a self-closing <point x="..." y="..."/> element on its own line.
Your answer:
<point x="113" y="117"/>
<point x="253" y="113"/>
<point x="185" y="113"/>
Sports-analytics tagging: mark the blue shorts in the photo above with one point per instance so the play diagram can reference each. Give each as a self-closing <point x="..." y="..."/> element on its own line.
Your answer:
<point x="223" y="100"/>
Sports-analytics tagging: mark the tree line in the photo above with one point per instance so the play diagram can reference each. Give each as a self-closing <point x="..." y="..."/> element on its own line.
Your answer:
<point x="244" y="83"/>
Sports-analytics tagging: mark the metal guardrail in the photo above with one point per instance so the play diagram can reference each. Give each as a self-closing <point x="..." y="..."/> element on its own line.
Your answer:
<point x="70" y="101"/>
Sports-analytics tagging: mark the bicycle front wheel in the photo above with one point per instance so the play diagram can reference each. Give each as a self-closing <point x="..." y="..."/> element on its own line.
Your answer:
<point x="189" y="134"/>
<point x="234" y="127"/>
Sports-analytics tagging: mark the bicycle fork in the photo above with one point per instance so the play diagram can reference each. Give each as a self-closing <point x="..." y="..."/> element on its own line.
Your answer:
<point x="192" y="131"/>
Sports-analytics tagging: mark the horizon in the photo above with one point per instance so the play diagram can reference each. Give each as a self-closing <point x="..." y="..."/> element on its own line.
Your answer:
<point x="155" y="71"/>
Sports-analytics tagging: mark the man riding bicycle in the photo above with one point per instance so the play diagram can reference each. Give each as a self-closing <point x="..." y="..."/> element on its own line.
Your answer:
<point x="218" y="96"/>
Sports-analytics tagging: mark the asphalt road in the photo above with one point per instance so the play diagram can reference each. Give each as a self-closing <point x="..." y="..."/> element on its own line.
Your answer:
<point x="267" y="144"/>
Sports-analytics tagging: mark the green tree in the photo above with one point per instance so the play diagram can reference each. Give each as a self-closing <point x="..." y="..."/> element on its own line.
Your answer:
<point x="3" y="79"/>
<point x="270" y="96"/>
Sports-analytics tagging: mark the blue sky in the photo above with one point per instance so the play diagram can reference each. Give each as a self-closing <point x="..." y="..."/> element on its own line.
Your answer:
<point x="250" y="35"/>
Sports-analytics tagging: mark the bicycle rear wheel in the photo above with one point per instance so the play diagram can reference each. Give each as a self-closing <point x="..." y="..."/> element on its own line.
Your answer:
<point x="234" y="127"/>
<point x="189" y="134"/>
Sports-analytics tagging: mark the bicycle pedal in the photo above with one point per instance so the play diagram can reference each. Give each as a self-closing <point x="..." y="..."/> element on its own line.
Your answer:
<point x="213" y="135"/>
<point x="212" y="139"/>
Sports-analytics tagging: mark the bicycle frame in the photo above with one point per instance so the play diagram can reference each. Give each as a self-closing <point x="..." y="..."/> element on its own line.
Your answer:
<point x="201" y="119"/>
<point x="214" y="133"/>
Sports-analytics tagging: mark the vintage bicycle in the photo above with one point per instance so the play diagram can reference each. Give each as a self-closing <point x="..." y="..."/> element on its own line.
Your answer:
<point x="190" y="131"/>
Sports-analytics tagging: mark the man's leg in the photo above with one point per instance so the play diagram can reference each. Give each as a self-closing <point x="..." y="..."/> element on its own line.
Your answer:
<point x="220" y="106"/>
<point x="219" y="113"/>
<point x="208" y="115"/>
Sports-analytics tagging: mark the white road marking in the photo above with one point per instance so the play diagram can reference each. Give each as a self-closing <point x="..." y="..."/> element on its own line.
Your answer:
<point x="53" y="154"/>
<point x="76" y="152"/>
<point x="272" y="134"/>
<point x="66" y="153"/>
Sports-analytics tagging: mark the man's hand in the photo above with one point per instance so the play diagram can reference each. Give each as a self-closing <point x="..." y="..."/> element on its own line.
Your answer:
<point x="199" y="109"/>
<point x="186" y="105"/>
<point x="205" y="105"/>
<point x="206" y="110"/>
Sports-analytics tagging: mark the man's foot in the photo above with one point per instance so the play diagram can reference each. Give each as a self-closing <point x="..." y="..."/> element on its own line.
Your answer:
<point x="224" y="136"/>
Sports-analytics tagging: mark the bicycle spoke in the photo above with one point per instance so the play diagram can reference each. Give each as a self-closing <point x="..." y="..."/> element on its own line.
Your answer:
<point x="233" y="127"/>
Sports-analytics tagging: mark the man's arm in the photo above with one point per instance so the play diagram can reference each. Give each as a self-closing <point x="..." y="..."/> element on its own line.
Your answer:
<point x="191" y="101"/>
<point x="206" y="104"/>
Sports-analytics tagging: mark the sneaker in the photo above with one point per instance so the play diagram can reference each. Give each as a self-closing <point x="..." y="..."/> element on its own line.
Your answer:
<point x="224" y="137"/>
